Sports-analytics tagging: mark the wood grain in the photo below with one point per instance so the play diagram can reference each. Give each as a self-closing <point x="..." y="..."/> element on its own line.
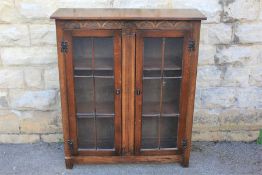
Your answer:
<point x="127" y="14"/>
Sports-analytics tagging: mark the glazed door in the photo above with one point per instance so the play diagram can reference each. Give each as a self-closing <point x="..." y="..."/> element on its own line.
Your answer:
<point x="93" y="66"/>
<point x="161" y="77"/>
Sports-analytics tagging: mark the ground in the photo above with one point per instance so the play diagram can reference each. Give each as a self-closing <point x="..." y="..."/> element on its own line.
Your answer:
<point x="207" y="158"/>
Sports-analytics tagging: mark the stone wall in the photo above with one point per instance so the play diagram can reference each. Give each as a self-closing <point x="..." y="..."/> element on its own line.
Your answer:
<point x="228" y="102"/>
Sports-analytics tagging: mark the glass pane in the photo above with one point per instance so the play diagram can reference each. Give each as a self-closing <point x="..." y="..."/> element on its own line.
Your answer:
<point x="82" y="52"/>
<point x="152" y="53"/>
<point x="93" y="59"/>
<point x="171" y="93"/>
<point x="168" y="132"/>
<point x="173" y="53"/>
<point x="149" y="132"/>
<point x="86" y="133"/>
<point x="151" y="96"/>
<point x="162" y="73"/>
<point x="104" y="95"/>
<point x="104" y="53"/>
<point x="105" y="132"/>
<point x="84" y="93"/>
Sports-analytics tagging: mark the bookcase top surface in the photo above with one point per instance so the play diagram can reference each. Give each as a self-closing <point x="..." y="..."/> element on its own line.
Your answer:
<point x="126" y="14"/>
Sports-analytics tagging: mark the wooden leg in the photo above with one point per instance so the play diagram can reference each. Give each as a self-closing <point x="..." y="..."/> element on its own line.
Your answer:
<point x="69" y="164"/>
<point x="185" y="162"/>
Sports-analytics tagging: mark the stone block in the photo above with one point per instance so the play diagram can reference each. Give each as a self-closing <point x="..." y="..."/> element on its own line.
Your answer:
<point x="15" y="56"/>
<point x="219" y="33"/>
<point x="51" y="77"/>
<point x="219" y="97"/>
<point x="33" y="77"/>
<point x="42" y="34"/>
<point x="206" y="54"/>
<point x="235" y="76"/>
<point x="255" y="77"/>
<point x="84" y="4"/>
<point x="26" y="99"/>
<point x="50" y="138"/>
<point x="249" y="32"/>
<point x="238" y="56"/>
<point x="240" y="119"/>
<point x="208" y="76"/>
<point x="211" y="9"/>
<point x="11" y="78"/>
<point x="14" y="35"/>
<point x="8" y="12"/>
<point x="38" y="122"/>
<point x="9" y="122"/>
<point x="3" y="98"/>
<point x="240" y="10"/>
<point x="19" y="138"/>
<point x="249" y="97"/>
<point x="206" y="120"/>
<point x="35" y="9"/>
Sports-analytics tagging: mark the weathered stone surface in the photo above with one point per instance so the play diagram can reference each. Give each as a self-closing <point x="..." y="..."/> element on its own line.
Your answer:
<point x="35" y="9"/>
<point x="240" y="119"/>
<point x="26" y="56"/>
<point x="206" y="120"/>
<point x="84" y="4"/>
<point x="238" y="55"/>
<point x="38" y="121"/>
<point x="225" y="135"/>
<point x="249" y="32"/>
<point x="255" y="77"/>
<point x="240" y="10"/>
<point x="249" y="98"/>
<point x="211" y="9"/>
<point x="235" y="76"/>
<point x="11" y="78"/>
<point x="14" y="35"/>
<point x="8" y="12"/>
<point x="42" y="34"/>
<point x="208" y="76"/>
<point x="219" y="97"/>
<point x="241" y="135"/>
<point x="9" y="122"/>
<point x="51" y="77"/>
<point x="219" y="33"/>
<point x="206" y="135"/>
<point x="19" y="138"/>
<point x="3" y="98"/>
<point x="52" y="138"/>
<point x="206" y="54"/>
<point x="41" y="100"/>
<point x="33" y="77"/>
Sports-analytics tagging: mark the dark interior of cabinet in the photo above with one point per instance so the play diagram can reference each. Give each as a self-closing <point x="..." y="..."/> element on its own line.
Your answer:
<point x="94" y="91"/>
<point x="162" y="73"/>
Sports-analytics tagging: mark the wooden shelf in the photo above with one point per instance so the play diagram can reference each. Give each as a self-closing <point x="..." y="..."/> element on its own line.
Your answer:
<point x="151" y="109"/>
<point x="103" y="109"/>
<point x="81" y="63"/>
<point x="154" y="64"/>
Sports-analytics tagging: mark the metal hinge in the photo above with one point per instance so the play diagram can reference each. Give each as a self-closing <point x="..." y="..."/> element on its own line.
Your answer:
<point x="64" y="46"/>
<point x="71" y="146"/>
<point x="191" y="45"/>
<point x="184" y="144"/>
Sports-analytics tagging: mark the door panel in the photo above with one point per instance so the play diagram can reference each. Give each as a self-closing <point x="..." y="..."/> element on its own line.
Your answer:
<point x="94" y="88"/>
<point x="160" y="64"/>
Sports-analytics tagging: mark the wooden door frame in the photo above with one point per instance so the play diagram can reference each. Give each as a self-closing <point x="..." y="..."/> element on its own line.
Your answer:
<point x="71" y="106"/>
<point x="183" y="89"/>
